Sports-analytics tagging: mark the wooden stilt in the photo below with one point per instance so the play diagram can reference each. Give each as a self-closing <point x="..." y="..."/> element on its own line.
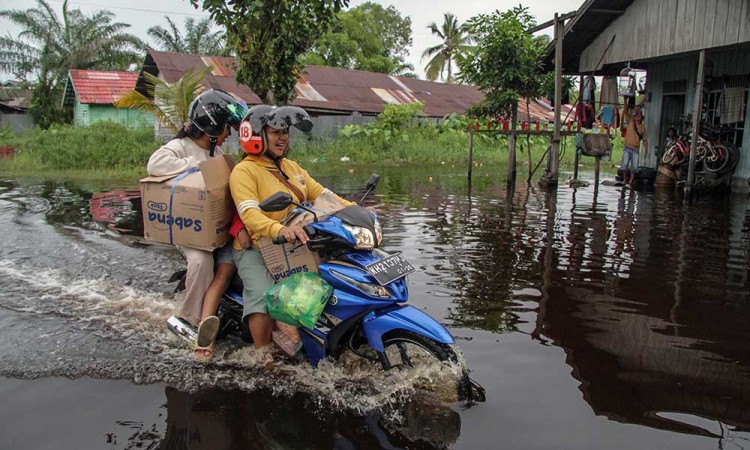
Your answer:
<point x="697" y="105"/>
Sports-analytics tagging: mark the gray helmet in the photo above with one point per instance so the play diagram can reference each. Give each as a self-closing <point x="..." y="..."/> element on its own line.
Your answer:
<point x="285" y="117"/>
<point x="252" y="138"/>
<point x="258" y="116"/>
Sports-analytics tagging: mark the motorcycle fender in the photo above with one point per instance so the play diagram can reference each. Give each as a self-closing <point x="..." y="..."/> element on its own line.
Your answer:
<point x="403" y="318"/>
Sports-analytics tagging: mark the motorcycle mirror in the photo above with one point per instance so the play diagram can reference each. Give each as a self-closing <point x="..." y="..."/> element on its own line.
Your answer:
<point x="277" y="202"/>
<point x="372" y="181"/>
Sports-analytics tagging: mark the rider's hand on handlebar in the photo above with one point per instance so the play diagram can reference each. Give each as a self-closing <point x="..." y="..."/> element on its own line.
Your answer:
<point x="293" y="234"/>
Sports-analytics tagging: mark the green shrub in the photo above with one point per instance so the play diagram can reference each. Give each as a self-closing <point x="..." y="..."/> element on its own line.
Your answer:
<point x="398" y="137"/>
<point x="103" y="145"/>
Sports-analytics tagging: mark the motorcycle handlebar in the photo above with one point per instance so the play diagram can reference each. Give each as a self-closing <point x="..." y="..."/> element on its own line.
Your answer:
<point x="278" y="240"/>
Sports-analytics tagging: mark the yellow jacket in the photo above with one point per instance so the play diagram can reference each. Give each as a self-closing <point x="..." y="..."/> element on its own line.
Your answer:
<point x="252" y="181"/>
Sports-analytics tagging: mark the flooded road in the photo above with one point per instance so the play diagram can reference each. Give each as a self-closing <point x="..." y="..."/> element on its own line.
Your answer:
<point x="607" y="319"/>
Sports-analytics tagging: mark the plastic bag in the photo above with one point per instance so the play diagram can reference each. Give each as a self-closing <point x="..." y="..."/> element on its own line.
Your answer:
<point x="298" y="300"/>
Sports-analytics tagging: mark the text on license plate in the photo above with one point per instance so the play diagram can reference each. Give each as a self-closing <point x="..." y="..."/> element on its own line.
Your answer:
<point x="390" y="268"/>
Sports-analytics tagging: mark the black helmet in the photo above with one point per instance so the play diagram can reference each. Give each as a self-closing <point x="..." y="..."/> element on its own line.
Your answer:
<point x="213" y="110"/>
<point x="284" y="117"/>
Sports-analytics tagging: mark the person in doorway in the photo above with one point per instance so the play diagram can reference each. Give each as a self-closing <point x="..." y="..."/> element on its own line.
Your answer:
<point x="671" y="137"/>
<point x="636" y="132"/>
<point x="211" y="115"/>
<point x="264" y="135"/>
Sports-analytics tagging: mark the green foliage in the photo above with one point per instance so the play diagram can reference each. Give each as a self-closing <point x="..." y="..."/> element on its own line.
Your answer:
<point x="268" y="36"/>
<point x="47" y="47"/>
<point x="168" y="102"/>
<point x="102" y="146"/>
<point x="505" y="62"/>
<point x="198" y="37"/>
<point x="367" y="37"/>
<point x="456" y="42"/>
<point x="394" y="124"/>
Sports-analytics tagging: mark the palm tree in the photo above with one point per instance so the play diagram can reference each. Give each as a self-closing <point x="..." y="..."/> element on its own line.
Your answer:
<point x="48" y="47"/>
<point x="455" y="42"/>
<point x="198" y="37"/>
<point x="168" y="102"/>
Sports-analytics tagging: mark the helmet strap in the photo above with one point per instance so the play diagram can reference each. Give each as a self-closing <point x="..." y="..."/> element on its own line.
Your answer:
<point x="212" y="146"/>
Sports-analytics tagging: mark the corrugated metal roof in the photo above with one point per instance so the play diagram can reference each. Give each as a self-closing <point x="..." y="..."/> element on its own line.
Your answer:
<point x="172" y="66"/>
<point x="101" y="87"/>
<point x="593" y="17"/>
<point x="336" y="90"/>
<point x="15" y="99"/>
<point x="325" y="88"/>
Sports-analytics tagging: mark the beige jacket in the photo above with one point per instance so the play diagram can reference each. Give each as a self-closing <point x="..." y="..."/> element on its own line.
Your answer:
<point x="177" y="156"/>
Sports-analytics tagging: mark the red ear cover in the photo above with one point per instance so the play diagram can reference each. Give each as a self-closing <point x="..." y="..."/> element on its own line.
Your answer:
<point x="251" y="143"/>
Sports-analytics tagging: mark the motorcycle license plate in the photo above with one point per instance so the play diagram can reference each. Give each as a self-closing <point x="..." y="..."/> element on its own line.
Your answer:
<point x="390" y="268"/>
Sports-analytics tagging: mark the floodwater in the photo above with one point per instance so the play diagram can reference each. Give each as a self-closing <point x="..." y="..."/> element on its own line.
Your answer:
<point x="594" y="319"/>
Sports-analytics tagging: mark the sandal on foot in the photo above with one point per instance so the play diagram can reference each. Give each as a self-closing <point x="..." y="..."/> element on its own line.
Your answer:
<point x="205" y="343"/>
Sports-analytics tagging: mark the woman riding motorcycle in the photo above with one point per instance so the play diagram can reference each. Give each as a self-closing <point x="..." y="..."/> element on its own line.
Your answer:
<point x="264" y="135"/>
<point x="211" y="115"/>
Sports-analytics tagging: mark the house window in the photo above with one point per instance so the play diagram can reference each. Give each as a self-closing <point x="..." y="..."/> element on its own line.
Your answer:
<point x="727" y="95"/>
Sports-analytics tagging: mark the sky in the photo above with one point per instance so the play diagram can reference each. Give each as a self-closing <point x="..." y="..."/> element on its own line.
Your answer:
<point x="143" y="14"/>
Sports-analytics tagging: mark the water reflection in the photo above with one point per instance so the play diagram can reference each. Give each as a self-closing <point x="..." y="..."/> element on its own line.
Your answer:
<point x="647" y="298"/>
<point x="219" y="419"/>
<point x="647" y="325"/>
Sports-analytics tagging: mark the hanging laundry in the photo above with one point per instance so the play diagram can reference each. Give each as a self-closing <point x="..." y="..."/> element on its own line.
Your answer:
<point x="733" y="105"/>
<point x="589" y="90"/>
<point x="607" y="116"/>
<point x="608" y="95"/>
<point x="588" y="97"/>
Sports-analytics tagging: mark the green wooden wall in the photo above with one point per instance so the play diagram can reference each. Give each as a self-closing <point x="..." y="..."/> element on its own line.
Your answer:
<point x="86" y="114"/>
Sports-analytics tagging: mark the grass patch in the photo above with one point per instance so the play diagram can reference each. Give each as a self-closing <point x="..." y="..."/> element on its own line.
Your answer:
<point x="111" y="151"/>
<point x="423" y="149"/>
<point x="103" y="149"/>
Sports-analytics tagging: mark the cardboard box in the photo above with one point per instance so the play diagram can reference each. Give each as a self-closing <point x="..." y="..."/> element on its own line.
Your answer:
<point x="287" y="259"/>
<point x="191" y="209"/>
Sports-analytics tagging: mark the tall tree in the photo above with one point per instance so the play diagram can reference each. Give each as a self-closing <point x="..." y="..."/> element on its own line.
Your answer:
<point x="268" y="37"/>
<point x="168" y="101"/>
<point x="47" y="47"/>
<point x="367" y="37"/>
<point x="198" y="38"/>
<point x="456" y="42"/>
<point x="505" y="65"/>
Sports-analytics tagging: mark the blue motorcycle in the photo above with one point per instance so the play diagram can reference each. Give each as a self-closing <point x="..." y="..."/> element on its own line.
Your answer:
<point x="366" y="314"/>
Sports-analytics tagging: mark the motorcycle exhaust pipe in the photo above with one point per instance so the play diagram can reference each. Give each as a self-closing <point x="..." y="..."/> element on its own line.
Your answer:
<point x="182" y="329"/>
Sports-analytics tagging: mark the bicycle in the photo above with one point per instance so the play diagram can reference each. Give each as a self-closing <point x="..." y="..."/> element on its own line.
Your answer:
<point x="679" y="151"/>
<point x="720" y="156"/>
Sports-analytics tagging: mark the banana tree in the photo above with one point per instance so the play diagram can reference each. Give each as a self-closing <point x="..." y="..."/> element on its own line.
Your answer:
<point x="168" y="102"/>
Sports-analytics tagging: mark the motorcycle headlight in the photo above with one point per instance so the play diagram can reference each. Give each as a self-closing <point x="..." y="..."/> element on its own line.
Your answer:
<point x="378" y="233"/>
<point x="363" y="237"/>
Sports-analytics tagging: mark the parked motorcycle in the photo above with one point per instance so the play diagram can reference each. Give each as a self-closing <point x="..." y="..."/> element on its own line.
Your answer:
<point x="366" y="314"/>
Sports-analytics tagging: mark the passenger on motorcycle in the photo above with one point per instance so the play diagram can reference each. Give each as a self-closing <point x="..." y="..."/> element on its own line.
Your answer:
<point x="211" y="116"/>
<point x="264" y="135"/>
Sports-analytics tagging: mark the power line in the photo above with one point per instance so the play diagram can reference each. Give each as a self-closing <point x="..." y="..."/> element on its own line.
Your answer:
<point x="132" y="9"/>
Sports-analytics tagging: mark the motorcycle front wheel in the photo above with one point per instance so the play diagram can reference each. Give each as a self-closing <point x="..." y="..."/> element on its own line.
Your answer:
<point x="403" y="349"/>
<point x="406" y="349"/>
